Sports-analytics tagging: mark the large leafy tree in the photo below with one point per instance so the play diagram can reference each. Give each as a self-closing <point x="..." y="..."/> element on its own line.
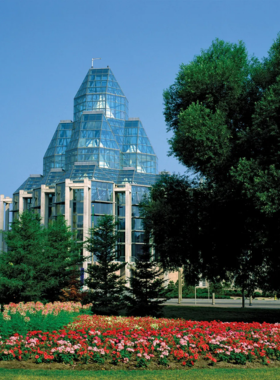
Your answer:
<point x="105" y="282"/>
<point x="224" y="112"/>
<point x="39" y="260"/>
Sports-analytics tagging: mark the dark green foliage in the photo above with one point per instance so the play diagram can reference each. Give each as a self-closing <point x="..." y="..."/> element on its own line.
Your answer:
<point x="223" y="110"/>
<point x="105" y="284"/>
<point x="37" y="263"/>
<point x="147" y="290"/>
<point x="19" y="267"/>
<point x="61" y="259"/>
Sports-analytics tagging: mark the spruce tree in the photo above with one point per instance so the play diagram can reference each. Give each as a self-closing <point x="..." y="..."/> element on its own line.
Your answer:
<point x="61" y="260"/>
<point x="106" y="286"/>
<point x="39" y="260"/>
<point x="20" y="265"/>
<point x="147" y="291"/>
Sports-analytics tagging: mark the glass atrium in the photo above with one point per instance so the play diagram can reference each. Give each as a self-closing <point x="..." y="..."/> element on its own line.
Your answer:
<point x="100" y="163"/>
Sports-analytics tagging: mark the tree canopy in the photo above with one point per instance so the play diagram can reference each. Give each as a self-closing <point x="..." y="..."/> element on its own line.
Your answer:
<point x="224" y="114"/>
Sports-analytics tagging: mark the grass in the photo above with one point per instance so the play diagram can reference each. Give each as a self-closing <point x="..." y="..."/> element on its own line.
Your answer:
<point x="195" y="313"/>
<point x="194" y="374"/>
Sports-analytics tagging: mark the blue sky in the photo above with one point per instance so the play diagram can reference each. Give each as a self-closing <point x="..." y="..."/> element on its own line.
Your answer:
<point x="46" y="49"/>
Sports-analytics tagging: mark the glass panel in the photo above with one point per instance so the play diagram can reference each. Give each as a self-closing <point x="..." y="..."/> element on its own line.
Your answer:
<point x="60" y="209"/>
<point x="74" y="221"/>
<point x="137" y="224"/>
<point x="101" y="191"/>
<point x="79" y="235"/>
<point x="136" y="249"/>
<point x="15" y="202"/>
<point x="138" y="237"/>
<point x="121" y="237"/>
<point x="78" y="195"/>
<point x="121" y="225"/>
<point x="120" y="210"/>
<point x="80" y="221"/>
<point x="78" y="207"/>
<point x="138" y="193"/>
<point x="135" y="211"/>
<point x="120" y="198"/>
<point x="60" y="193"/>
<point x="102" y="208"/>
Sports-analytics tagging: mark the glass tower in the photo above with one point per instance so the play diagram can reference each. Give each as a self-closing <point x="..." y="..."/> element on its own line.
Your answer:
<point x="100" y="163"/>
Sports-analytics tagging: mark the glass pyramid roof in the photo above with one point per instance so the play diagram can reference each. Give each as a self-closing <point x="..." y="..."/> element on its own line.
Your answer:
<point x="102" y="143"/>
<point x="93" y="141"/>
<point x="55" y="154"/>
<point x="101" y="91"/>
<point x="32" y="182"/>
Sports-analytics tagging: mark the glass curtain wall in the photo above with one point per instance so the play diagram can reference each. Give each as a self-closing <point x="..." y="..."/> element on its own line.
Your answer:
<point x="120" y="218"/>
<point x="101" y="201"/>
<point x="27" y="203"/>
<point x="15" y="206"/>
<point x="51" y="207"/>
<point x="78" y="213"/>
<point x="59" y="200"/>
<point x="137" y="238"/>
<point x="36" y="201"/>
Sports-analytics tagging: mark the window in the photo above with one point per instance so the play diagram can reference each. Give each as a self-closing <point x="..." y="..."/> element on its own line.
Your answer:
<point x="137" y="224"/>
<point x="102" y="208"/>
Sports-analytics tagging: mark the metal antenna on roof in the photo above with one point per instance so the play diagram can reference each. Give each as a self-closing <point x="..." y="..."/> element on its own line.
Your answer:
<point x="92" y="60"/>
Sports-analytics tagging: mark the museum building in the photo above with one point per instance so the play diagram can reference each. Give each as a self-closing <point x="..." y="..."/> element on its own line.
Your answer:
<point x="100" y="163"/>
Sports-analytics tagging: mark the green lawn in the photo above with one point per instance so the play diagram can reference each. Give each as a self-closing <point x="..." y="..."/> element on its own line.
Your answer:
<point x="195" y="313"/>
<point x="207" y="374"/>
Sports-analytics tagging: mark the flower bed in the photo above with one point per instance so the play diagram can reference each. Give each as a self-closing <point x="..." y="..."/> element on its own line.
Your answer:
<point x="38" y="307"/>
<point x="21" y="318"/>
<point x="141" y="341"/>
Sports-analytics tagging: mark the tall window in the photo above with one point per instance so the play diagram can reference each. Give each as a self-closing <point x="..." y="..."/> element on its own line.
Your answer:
<point x="78" y="213"/>
<point x="137" y="238"/>
<point x="120" y="218"/>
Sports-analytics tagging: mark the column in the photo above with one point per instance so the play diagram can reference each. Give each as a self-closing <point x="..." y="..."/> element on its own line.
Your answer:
<point x="67" y="202"/>
<point x="7" y="222"/>
<point x="20" y="201"/>
<point x="128" y="202"/>
<point x="43" y="205"/>
<point x="87" y="214"/>
<point x="1" y="221"/>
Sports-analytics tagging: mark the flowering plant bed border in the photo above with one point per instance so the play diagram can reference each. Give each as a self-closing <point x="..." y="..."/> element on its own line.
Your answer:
<point x="148" y="342"/>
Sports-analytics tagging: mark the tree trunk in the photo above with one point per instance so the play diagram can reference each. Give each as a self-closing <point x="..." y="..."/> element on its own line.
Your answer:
<point x="243" y="298"/>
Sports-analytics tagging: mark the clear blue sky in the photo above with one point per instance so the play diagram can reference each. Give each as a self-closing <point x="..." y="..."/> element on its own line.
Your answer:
<point x="46" y="49"/>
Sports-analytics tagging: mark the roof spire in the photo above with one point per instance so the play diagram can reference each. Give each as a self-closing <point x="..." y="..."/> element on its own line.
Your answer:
<point x="92" y="60"/>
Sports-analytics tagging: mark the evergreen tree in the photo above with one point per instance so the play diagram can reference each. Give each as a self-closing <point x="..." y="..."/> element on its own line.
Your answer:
<point x="37" y="264"/>
<point x="147" y="291"/>
<point x="61" y="259"/>
<point x="73" y="291"/>
<point x="105" y="284"/>
<point x="20" y="265"/>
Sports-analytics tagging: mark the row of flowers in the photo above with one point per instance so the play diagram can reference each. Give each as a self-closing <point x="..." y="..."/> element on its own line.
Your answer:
<point x="38" y="307"/>
<point x="140" y="341"/>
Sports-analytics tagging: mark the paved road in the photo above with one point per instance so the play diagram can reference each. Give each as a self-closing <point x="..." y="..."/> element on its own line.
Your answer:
<point x="262" y="304"/>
